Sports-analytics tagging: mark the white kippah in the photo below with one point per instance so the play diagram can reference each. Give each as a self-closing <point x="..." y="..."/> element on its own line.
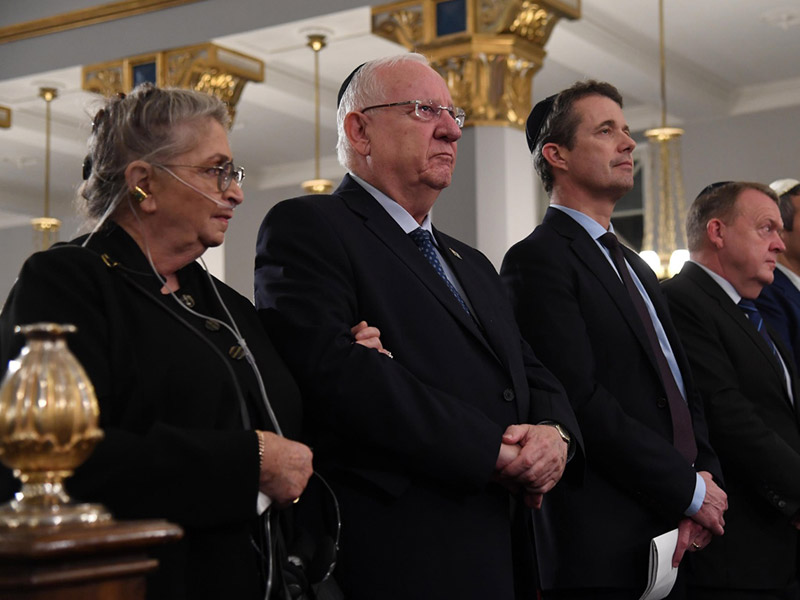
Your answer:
<point x="781" y="186"/>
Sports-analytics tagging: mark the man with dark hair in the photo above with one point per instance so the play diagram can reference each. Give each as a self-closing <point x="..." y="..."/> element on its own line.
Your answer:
<point x="747" y="380"/>
<point x="779" y="302"/>
<point x="433" y="447"/>
<point x="559" y="122"/>
<point x="594" y="314"/>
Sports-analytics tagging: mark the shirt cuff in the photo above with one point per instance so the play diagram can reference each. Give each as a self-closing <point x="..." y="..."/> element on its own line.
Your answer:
<point x="262" y="503"/>
<point x="699" y="496"/>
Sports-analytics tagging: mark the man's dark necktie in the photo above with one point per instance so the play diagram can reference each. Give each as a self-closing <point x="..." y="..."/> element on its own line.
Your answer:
<point x="752" y="314"/>
<point x="683" y="434"/>
<point x="422" y="238"/>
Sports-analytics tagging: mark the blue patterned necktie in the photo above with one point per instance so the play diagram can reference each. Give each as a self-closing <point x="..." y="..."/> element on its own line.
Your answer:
<point x="422" y="238"/>
<point x="750" y="310"/>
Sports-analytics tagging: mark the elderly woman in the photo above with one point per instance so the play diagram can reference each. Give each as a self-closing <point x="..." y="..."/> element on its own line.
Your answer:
<point x="188" y="383"/>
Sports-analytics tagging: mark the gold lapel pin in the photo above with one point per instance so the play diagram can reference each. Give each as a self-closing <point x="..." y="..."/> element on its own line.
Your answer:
<point x="456" y="254"/>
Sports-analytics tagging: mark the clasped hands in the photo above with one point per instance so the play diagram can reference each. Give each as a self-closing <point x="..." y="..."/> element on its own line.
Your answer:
<point x="697" y="531"/>
<point x="531" y="460"/>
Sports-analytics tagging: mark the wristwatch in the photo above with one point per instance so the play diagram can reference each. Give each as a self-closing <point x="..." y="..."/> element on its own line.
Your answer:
<point x="561" y="431"/>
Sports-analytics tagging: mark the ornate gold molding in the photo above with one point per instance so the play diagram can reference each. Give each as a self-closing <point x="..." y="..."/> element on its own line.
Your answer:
<point x="489" y="66"/>
<point x="5" y="117"/>
<point x="204" y="67"/>
<point x="83" y="17"/>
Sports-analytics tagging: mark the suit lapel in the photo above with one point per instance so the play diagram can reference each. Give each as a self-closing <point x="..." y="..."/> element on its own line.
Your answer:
<point x="653" y="289"/>
<point x="482" y="288"/>
<point x="381" y="224"/>
<point x="710" y="287"/>
<point x="786" y="355"/>
<point x="586" y="250"/>
<point x="649" y="280"/>
<point x="474" y="286"/>
<point x="784" y="284"/>
<point x="793" y="295"/>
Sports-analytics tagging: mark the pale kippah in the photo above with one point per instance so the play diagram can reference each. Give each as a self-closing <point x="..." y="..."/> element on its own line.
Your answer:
<point x="781" y="186"/>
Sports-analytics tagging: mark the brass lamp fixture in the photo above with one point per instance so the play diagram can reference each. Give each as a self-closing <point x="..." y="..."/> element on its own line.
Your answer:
<point x="317" y="185"/>
<point x="5" y="117"/>
<point x="46" y="226"/>
<point x="207" y="68"/>
<point x="664" y="247"/>
<point x="487" y="52"/>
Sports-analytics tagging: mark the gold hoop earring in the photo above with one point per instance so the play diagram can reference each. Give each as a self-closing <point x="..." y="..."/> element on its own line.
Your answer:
<point x="138" y="194"/>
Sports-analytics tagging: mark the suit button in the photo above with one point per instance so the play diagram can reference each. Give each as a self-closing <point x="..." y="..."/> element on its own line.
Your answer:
<point x="782" y="504"/>
<point x="508" y="395"/>
<point x="661" y="403"/>
<point x="187" y="300"/>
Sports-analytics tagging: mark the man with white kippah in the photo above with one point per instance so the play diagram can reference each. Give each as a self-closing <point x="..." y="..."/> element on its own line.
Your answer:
<point x="779" y="302"/>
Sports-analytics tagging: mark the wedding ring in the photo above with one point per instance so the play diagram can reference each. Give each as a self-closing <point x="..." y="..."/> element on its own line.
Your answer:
<point x="296" y="500"/>
<point x="696" y="546"/>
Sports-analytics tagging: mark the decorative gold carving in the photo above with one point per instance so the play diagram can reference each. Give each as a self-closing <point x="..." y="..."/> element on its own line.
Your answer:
<point x="489" y="68"/>
<point x="205" y="67"/>
<point x="5" y="117"/>
<point x="494" y="89"/>
<point x="83" y="17"/>
<point x="103" y="80"/>
<point x="402" y="26"/>
<point x="533" y="23"/>
<point x="490" y="13"/>
<point x="211" y="80"/>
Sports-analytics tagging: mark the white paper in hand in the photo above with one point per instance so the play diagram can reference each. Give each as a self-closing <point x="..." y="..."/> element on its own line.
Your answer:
<point x="662" y="574"/>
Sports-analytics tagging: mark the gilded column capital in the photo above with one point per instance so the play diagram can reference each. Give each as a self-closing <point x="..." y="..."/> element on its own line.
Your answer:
<point x="487" y="50"/>
<point x="204" y="67"/>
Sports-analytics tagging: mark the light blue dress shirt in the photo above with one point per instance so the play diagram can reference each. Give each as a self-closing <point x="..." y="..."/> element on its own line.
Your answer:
<point x="595" y="230"/>
<point x="408" y="224"/>
<point x="728" y="288"/>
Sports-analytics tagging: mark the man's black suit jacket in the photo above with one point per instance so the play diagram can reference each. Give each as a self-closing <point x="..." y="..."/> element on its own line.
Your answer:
<point x="754" y="429"/>
<point x="575" y="312"/>
<point x="410" y="442"/>
<point x="779" y="304"/>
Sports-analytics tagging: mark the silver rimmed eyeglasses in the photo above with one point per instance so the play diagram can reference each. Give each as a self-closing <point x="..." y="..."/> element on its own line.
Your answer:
<point x="225" y="173"/>
<point x="427" y="112"/>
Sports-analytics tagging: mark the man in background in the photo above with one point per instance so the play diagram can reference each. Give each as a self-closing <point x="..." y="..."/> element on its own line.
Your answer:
<point x="747" y="380"/>
<point x="779" y="302"/>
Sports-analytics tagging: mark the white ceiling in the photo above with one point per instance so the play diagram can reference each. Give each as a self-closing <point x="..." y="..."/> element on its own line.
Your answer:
<point x="724" y="57"/>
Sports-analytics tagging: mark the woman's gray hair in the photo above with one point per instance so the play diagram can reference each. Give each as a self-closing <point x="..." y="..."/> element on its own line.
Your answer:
<point x="365" y="89"/>
<point x="144" y="125"/>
